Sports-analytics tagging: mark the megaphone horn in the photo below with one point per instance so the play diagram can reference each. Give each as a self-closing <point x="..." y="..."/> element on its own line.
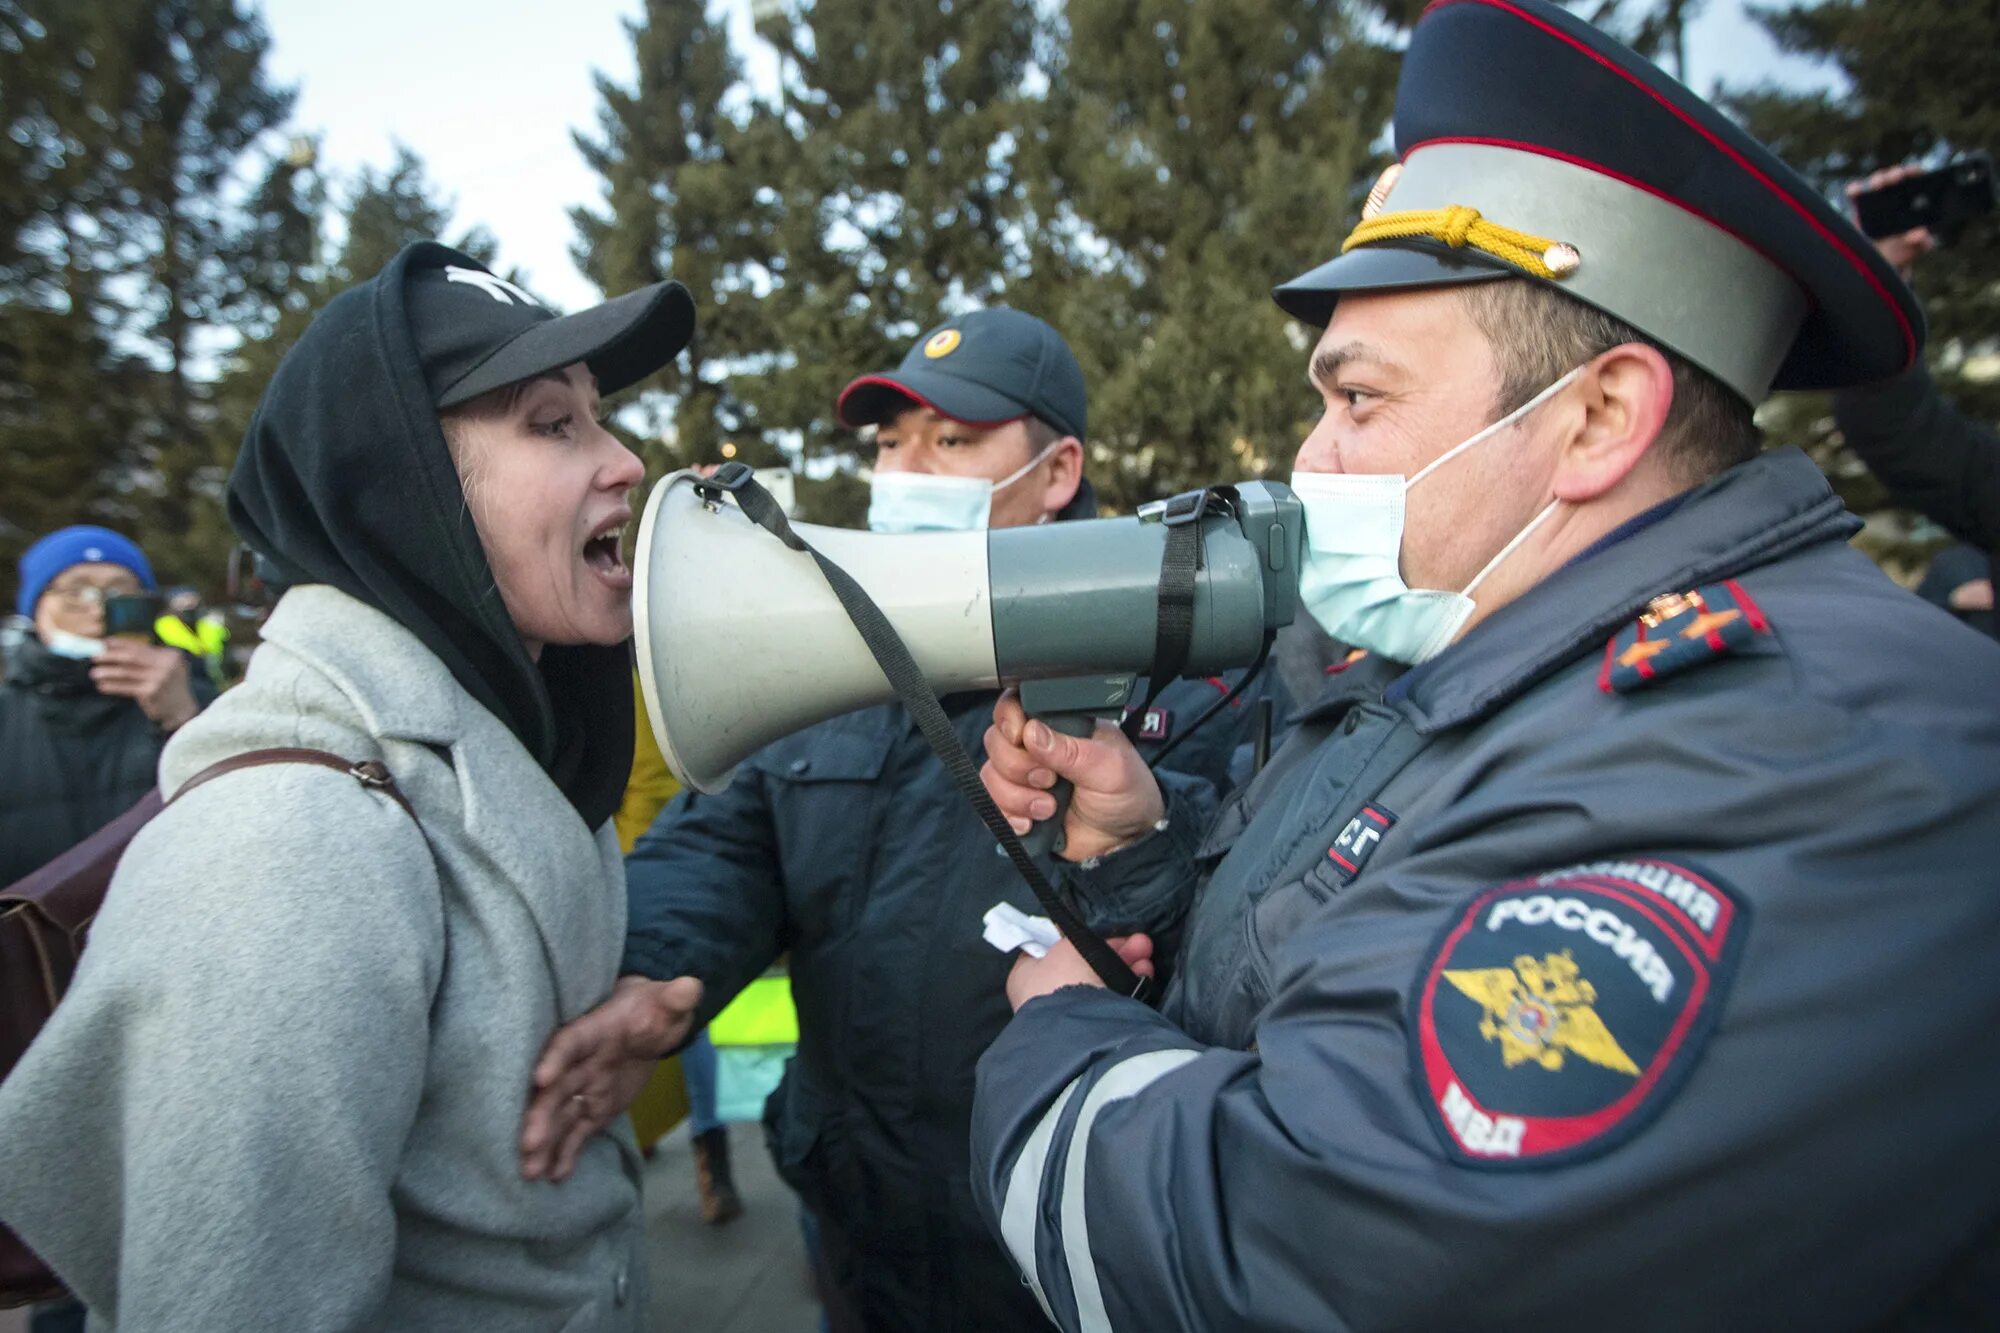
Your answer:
<point x="741" y="641"/>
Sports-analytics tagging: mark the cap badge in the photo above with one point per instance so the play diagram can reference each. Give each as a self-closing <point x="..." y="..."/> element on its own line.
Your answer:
<point x="1378" y="193"/>
<point x="941" y="343"/>
<point x="1461" y="228"/>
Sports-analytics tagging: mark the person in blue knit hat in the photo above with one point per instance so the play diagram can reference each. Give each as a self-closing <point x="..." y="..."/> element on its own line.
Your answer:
<point x="82" y="716"/>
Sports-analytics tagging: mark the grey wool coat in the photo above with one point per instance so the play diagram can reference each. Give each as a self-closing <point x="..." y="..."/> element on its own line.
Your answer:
<point x="286" y="1089"/>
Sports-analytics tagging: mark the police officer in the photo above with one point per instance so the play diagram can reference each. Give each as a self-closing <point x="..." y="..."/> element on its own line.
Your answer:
<point x="848" y="846"/>
<point x="1627" y="960"/>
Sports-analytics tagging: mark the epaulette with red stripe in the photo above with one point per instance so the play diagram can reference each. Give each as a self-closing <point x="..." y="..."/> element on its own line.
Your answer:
<point x="1679" y="631"/>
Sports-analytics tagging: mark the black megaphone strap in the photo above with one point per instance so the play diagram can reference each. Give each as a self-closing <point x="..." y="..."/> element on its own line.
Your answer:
<point x="893" y="656"/>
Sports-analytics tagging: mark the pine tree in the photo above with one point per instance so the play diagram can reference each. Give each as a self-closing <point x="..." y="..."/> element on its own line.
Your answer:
<point x="202" y="105"/>
<point x="1189" y="155"/>
<point x="66" y="401"/>
<point x="131" y="125"/>
<point x="382" y="210"/>
<point x="1919" y="84"/>
<point x="821" y="231"/>
<point x="387" y="209"/>
<point x="886" y="190"/>
<point x="49" y="348"/>
<point x="160" y="249"/>
<point x="914" y="166"/>
<point x="72" y="394"/>
<point x="675" y="207"/>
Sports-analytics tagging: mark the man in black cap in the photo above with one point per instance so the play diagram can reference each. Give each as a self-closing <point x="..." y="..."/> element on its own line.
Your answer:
<point x="847" y="846"/>
<point x="1625" y="959"/>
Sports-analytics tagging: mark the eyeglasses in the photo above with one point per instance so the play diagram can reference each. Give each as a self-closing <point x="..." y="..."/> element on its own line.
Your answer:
<point x="94" y="594"/>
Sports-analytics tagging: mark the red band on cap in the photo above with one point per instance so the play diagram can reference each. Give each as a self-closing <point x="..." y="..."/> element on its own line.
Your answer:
<point x="1819" y="228"/>
<point x="883" y="381"/>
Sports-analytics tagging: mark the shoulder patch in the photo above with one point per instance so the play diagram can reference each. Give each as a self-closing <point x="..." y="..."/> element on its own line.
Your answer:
<point x="1557" y="1015"/>
<point x="1157" y="725"/>
<point x="1679" y="631"/>
<point x="1356" y="843"/>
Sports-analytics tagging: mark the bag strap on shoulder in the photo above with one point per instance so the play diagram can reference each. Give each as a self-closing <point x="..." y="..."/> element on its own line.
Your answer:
<point x="68" y="891"/>
<point x="371" y="773"/>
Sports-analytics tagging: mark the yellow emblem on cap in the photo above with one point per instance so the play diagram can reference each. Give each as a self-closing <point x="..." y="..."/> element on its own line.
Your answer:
<point x="1539" y="1010"/>
<point x="942" y="343"/>
<point x="1460" y="227"/>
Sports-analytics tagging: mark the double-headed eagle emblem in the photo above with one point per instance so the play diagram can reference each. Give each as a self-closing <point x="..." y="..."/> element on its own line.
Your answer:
<point x="1540" y="1010"/>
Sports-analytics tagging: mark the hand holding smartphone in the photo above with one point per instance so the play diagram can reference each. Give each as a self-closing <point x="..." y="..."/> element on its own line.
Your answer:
<point x="1942" y="202"/>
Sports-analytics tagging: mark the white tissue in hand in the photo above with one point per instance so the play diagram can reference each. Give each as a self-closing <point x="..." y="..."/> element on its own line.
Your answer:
<point x="1009" y="928"/>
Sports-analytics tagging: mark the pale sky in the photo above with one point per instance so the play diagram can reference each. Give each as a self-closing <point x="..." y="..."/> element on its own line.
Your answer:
<point x="487" y="92"/>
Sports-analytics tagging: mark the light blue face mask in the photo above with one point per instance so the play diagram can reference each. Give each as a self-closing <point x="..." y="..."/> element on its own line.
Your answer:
<point x="1352" y="582"/>
<point x="929" y="502"/>
<point x="74" y="646"/>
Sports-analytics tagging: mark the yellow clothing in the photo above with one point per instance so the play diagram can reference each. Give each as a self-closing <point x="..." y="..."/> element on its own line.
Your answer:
<point x="663" y="1103"/>
<point x="760" y="1015"/>
<point x="652" y="783"/>
<point x="204" y="641"/>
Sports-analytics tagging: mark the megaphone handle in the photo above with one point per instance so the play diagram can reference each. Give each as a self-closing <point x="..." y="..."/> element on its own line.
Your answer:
<point x="1046" y="838"/>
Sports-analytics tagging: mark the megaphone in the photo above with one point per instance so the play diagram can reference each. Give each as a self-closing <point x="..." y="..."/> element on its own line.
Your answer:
<point x="742" y="641"/>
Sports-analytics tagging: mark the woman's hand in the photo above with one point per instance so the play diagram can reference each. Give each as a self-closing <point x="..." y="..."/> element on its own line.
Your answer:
<point x="151" y="674"/>
<point x="593" y="1068"/>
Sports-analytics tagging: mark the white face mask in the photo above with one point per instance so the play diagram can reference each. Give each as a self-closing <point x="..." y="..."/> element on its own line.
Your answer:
<point x="64" y="644"/>
<point x="1352" y="583"/>
<point x="929" y="502"/>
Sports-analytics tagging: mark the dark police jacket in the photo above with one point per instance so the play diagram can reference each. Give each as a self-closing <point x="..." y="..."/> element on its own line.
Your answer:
<point x="1600" y="973"/>
<point x="847" y="846"/>
<point x="1930" y="455"/>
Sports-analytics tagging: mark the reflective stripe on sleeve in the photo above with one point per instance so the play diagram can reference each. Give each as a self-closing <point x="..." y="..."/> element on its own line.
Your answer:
<point x="1024" y="1189"/>
<point x="1122" y="1080"/>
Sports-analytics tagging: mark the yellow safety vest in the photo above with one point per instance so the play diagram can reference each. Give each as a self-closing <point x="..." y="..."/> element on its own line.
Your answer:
<point x="760" y="1015"/>
<point x="205" y="640"/>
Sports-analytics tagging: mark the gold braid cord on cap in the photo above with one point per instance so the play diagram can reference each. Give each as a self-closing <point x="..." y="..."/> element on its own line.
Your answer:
<point x="1459" y="226"/>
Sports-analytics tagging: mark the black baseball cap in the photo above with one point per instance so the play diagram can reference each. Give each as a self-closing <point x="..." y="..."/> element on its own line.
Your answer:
<point x="985" y="368"/>
<point x="476" y="331"/>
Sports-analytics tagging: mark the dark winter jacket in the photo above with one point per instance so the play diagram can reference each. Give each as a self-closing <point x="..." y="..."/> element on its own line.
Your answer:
<point x="71" y="759"/>
<point x="847" y="845"/>
<point x="1930" y="455"/>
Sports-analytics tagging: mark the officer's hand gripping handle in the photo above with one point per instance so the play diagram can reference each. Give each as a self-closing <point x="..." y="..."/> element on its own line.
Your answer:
<point x="1046" y="838"/>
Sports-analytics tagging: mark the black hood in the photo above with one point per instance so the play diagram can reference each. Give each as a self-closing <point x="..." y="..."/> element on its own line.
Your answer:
<point x="344" y="479"/>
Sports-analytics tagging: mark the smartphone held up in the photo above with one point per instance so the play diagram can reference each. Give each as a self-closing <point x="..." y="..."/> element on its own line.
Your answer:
<point x="1944" y="201"/>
